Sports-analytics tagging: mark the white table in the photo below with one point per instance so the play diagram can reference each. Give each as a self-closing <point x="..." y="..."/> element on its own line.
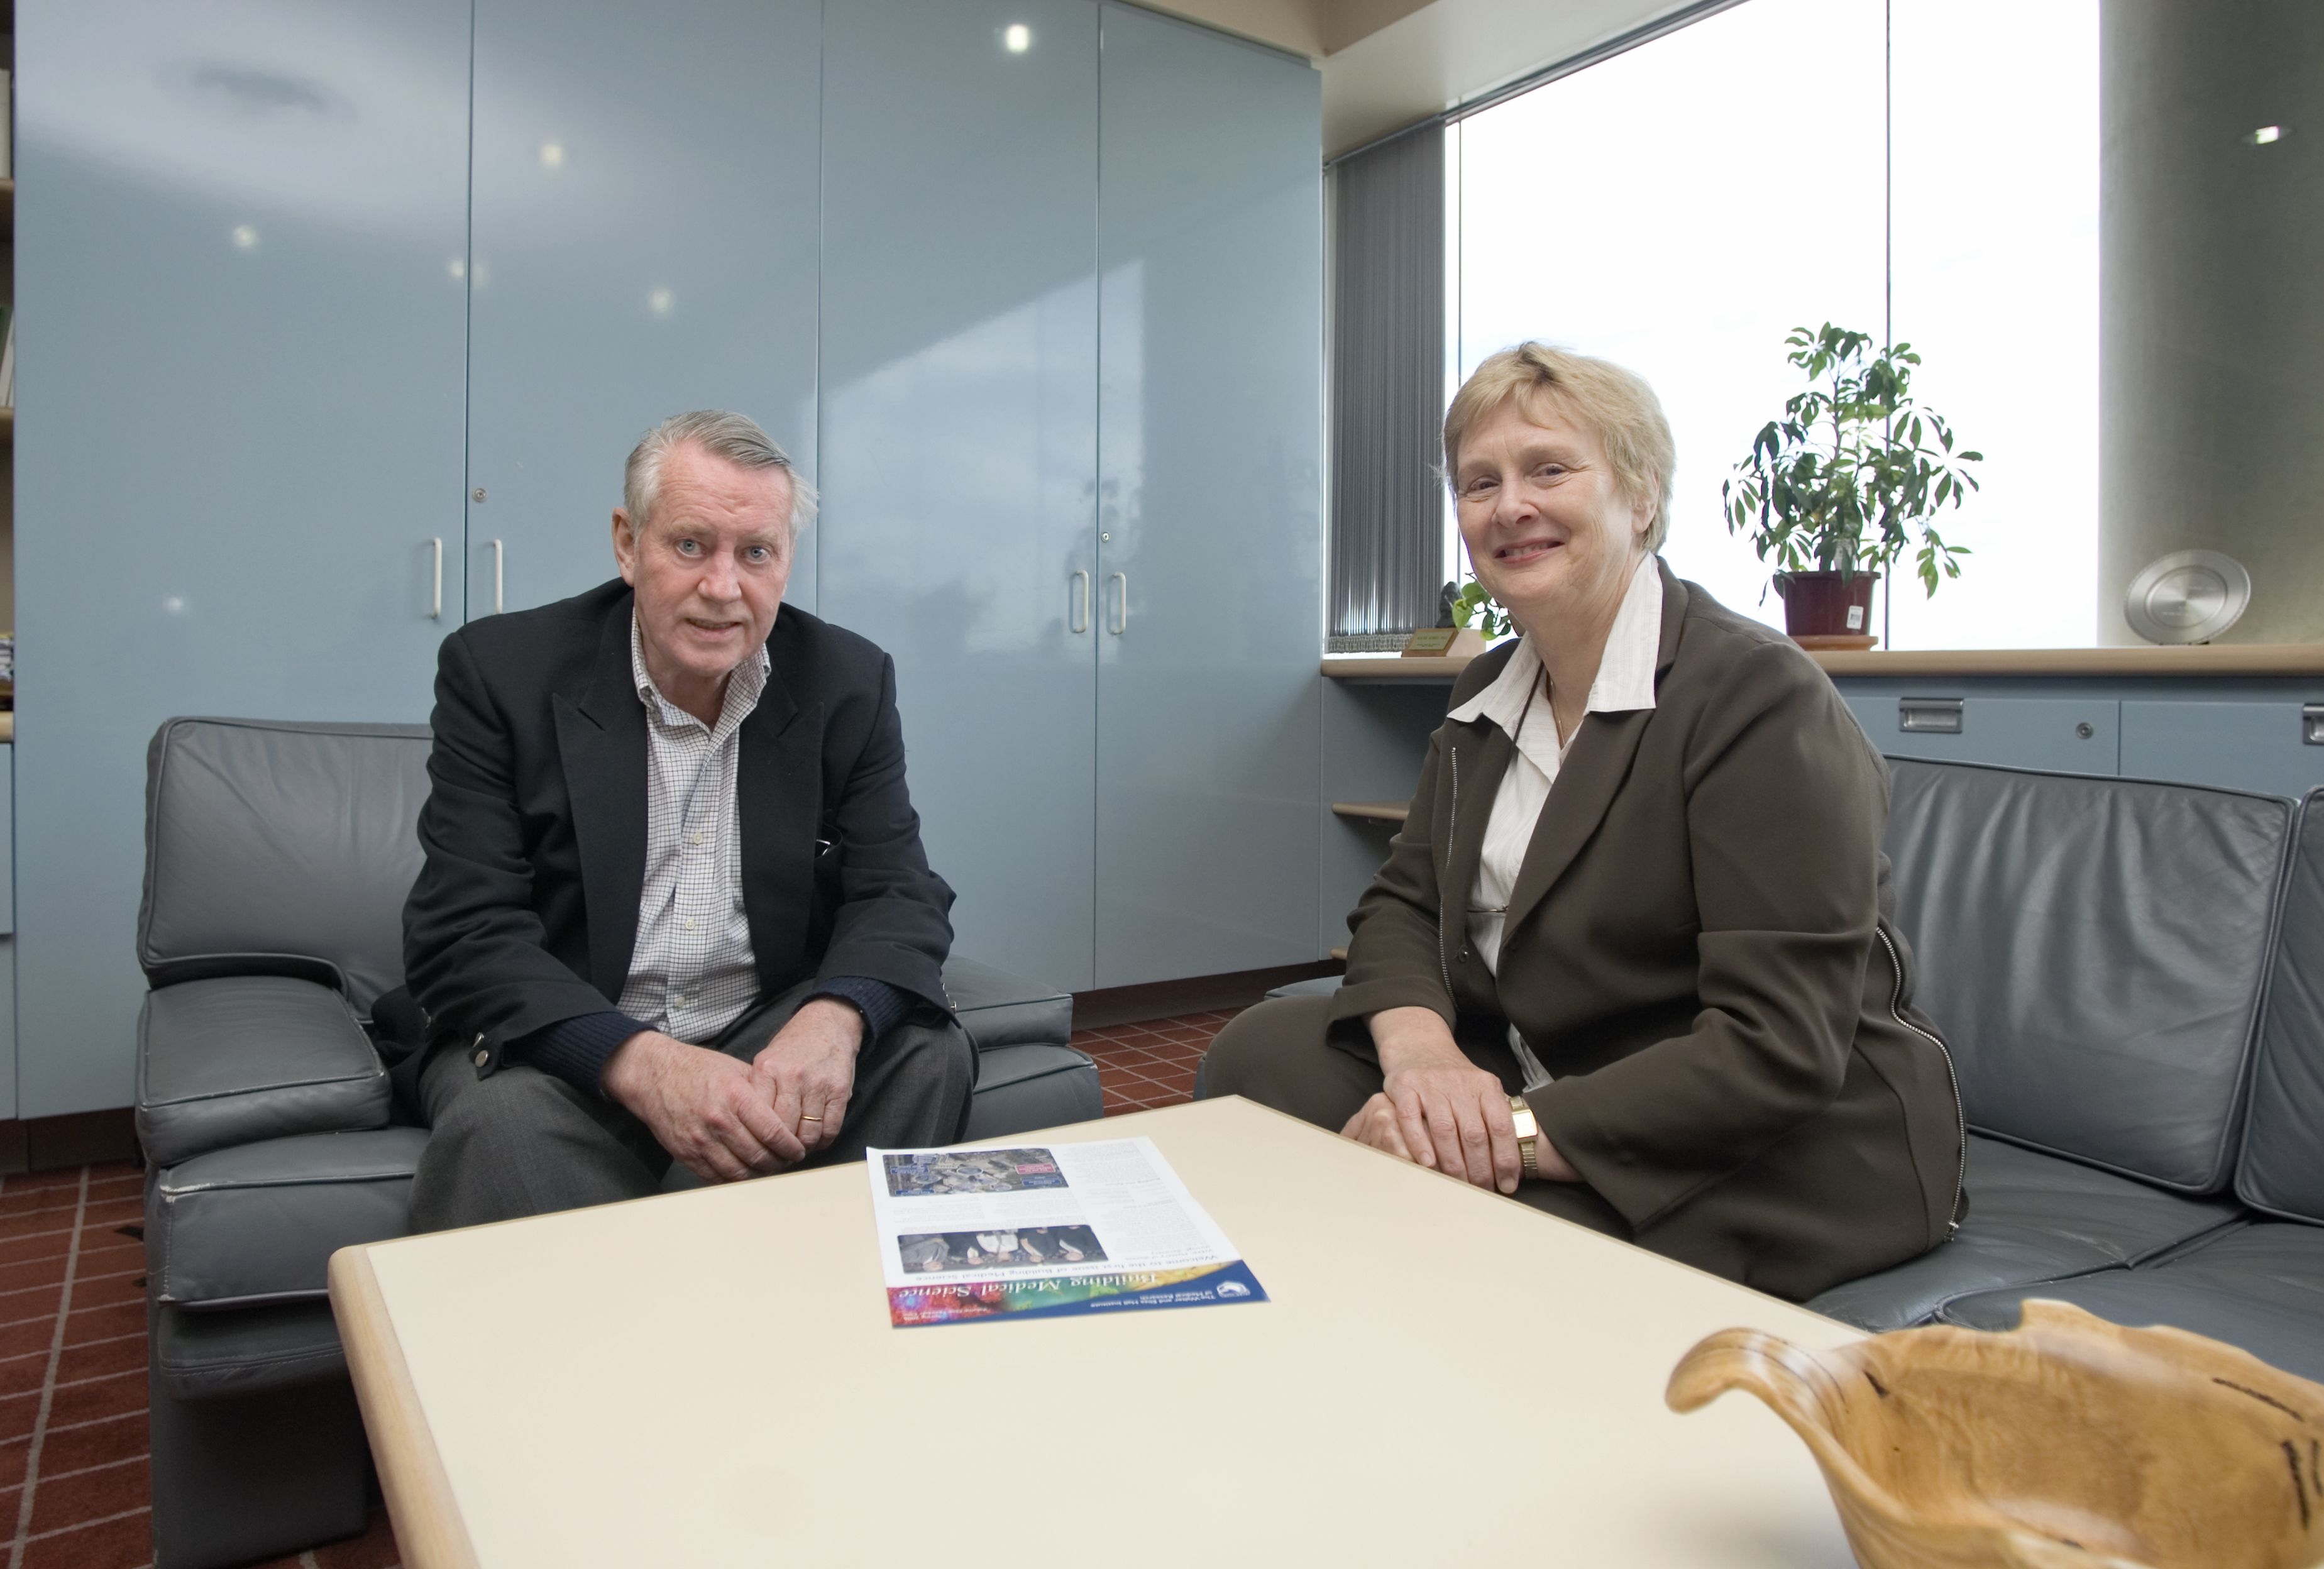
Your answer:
<point x="1442" y="1376"/>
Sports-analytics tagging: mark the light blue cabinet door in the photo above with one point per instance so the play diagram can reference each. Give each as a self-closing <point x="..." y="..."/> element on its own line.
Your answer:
<point x="7" y="839"/>
<point x="240" y="360"/>
<point x="2241" y="746"/>
<point x="2062" y="734"/>
<point x="645" y="243"/>
<point x="1210" y="254"/>
<point x="959" y="435"/>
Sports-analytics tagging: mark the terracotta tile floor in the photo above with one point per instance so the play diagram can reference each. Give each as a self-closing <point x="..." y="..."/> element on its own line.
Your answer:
<point x="1152" y="1063"/>
<point x="72" y="1337"/>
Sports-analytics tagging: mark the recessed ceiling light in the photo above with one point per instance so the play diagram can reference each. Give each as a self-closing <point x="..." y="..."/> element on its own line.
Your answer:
<point x="246" y="238"/>
<point x="2266" y="135"/>
<point x="659" y="301"/>
<point x="1018" y="37"/>
<point x="552" y="154"/>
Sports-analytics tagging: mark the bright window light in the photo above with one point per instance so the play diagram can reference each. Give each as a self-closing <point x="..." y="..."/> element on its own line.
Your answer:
<point x="1018" y="37"/>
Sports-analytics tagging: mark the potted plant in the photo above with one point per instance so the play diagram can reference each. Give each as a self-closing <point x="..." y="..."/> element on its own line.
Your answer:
<point x="1851" y="477"/>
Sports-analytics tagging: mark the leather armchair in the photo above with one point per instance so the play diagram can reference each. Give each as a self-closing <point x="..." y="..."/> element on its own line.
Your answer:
<point x="278" y="856"/>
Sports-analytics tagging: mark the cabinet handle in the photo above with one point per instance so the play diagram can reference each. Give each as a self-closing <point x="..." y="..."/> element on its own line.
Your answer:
<point x="1122" y="612"/>
<point x="1080" y="622"/>
<point x="500" y="576"/>
<point x="2312" y="724"/>
<point x="1929" y="715"/>
<point x="436" y="603"/>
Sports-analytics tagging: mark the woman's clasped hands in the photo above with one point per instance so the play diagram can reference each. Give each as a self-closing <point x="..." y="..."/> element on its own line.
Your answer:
<point x="1438" y="1109"/>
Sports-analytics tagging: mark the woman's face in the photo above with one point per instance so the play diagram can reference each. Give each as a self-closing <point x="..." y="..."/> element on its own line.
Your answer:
<point x="1550" y="530"/>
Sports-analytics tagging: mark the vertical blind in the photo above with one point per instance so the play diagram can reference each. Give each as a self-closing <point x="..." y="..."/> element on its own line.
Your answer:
<point x="1387" y="374"/>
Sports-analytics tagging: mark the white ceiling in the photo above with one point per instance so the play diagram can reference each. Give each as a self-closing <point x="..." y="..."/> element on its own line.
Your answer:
<point x="1387" y="63"/>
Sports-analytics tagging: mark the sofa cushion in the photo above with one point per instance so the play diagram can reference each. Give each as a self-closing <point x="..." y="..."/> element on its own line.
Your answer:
<point x="208" y="1356"/>
<point x="2259" y="1286"/>
<point x="280" y="848"/>
<point x="2094" y="950"/>
<point x="229" y="1061"/>
<point x="258" y="1222"/>
<point x="2280" y="1171"/>
<point x="997" y="1008"/>
<point x="1021" y="1088"/>
<point x="2032" y="1218"/>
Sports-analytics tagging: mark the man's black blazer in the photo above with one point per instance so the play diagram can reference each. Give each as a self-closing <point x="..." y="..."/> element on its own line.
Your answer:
<point x="526" y="909"/>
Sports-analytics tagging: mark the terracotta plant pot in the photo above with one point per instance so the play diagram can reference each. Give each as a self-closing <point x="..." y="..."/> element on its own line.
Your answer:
<point x="2069" y="1443"/>
<point x="1827" y="604"/>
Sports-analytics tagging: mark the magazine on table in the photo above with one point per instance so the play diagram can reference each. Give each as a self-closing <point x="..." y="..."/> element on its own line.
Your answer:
<point x="1038" y="1229"/>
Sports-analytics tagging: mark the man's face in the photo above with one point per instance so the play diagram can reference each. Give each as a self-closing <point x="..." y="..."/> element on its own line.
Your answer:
<point x="709" y="568"/>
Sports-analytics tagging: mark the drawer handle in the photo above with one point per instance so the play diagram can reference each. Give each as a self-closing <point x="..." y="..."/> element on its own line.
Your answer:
<point x="2312" y="724"/>
<point x="1929" y="715"/>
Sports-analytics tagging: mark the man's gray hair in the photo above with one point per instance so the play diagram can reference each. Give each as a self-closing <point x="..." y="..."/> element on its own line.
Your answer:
<point x="736" y="438"/>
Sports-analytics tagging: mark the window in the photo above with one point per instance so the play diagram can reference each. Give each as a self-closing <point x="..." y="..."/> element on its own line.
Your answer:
<point x="1919" y="169"/>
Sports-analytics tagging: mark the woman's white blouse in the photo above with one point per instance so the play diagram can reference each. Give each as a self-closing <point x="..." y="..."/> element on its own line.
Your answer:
<point x="1518" y="702"/>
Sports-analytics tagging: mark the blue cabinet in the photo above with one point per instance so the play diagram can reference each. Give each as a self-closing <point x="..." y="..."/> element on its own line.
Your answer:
<point x="2067" y="735"/>
<point x="644" y="243"/>
<point x="2249" y="745"/>
<point x="959" y="429"/>
<point x="1209" y="418"/>
<point x="2234" y="732"/>
<point x="238" y="239"/>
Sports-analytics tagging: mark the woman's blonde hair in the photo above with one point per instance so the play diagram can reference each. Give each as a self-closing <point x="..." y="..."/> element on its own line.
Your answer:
<point x="1616" y="403"/>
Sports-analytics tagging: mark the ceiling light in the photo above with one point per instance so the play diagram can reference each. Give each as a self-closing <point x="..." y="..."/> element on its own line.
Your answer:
<point x="246" y="238"/>
<point x="659" y="301"/>
<point x="1018" y="37"/>
<point x="552" y="154"/>
<point x="2266" y="135"/>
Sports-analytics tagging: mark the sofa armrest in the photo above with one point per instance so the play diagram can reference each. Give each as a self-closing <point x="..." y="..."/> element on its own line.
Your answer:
<point x="233" y="1060"/>
<point x="999" y="1010"/>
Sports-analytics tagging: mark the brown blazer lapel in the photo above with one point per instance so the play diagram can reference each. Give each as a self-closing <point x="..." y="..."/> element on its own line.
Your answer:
<point x="1595" y="767"/>
<point x="1476" y="757"/>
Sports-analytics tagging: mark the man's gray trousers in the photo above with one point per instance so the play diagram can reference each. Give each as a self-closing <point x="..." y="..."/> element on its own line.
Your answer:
<point x="524" y="1142"/>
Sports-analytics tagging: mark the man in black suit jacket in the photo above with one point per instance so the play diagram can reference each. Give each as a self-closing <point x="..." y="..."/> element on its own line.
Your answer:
<point x="674" y="902"/>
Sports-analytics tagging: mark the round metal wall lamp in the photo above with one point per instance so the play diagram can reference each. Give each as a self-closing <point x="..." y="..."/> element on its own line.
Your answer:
<point x="2189" y="597"/>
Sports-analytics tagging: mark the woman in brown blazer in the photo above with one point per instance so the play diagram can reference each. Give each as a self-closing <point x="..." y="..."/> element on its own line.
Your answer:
<point x="1631" y="958"/>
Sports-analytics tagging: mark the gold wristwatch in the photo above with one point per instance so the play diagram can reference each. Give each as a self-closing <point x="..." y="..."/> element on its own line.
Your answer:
<point x="1528" y="1136"/>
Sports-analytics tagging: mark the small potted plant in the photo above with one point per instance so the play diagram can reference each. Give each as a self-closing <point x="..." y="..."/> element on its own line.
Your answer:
<point x="1850" y="478"/>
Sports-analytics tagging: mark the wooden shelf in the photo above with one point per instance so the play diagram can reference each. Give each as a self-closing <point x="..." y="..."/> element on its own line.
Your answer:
<point x="2201" y="659"/>
<point x="1372" y="811"/>
<point x="1393" y="668"/>
<point x="8" y="726"/>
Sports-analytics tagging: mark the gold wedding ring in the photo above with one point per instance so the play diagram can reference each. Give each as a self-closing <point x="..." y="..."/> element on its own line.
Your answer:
<point x="804" y="1118"/>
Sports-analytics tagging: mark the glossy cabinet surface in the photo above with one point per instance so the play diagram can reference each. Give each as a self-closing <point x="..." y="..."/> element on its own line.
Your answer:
<point x="7" y="840"/>
<point x="2063" y="734"/>
<point x="1209" y="431"/>
<point x="240" y="362"/>
<point x="645" y="243"/>
<point x="959" y="437"/>
<point x="2249" y="745"/>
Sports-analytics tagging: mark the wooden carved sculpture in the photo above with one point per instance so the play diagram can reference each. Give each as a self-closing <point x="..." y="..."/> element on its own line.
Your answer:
<point x="2069" y="1443"/>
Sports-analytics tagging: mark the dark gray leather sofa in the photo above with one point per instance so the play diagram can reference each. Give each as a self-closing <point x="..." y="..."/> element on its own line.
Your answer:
<point x="2131" y="976"/>
<point x="277" y="860"/>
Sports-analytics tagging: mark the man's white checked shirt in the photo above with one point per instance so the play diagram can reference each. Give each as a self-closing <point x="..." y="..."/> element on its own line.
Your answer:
<point x="692" y="972"/>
